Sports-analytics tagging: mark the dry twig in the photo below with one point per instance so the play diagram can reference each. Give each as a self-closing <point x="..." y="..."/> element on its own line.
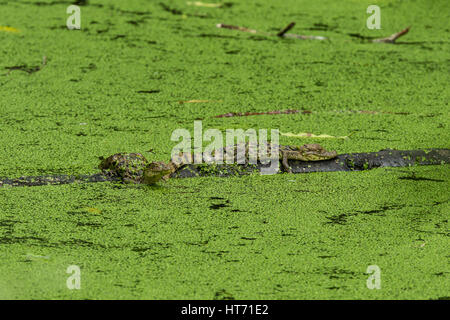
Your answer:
<point x="282" y="33"/>
<point x="393" y="37"/>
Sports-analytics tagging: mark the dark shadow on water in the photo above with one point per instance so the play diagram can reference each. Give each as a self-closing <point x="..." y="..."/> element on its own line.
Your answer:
<point x="158" y="187"/>
<point x="414" y="178"/>
<point x="359" y="36"/>
<point x="148" y="91"/>
<point x="208" y="35"/>
<point x="24" y="68"/>
<point x="89" y="224"/>
<point x="218" y="206"/>
<point x="223" y="295"/>
<point x="341" y="219"/>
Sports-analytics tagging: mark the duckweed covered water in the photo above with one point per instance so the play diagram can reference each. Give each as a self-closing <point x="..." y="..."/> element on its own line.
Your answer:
<point x="116" y="86"/>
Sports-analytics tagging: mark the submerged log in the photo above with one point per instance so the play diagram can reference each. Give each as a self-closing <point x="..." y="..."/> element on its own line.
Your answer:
<point x="343" y="162"/>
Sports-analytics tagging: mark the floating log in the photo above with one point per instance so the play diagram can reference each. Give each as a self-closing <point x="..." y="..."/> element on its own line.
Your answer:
<point x="343" y="162"/>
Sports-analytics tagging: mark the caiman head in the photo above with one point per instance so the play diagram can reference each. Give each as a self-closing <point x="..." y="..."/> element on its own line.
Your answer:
<point x="315" y="152"/>
<point x="157" y="170"/>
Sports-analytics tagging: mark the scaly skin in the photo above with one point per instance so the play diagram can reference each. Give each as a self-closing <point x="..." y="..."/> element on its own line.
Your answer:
<point x="155" y="171"/>
<point x="307" y="152"/>
<point x="134" y="168"/>
<point x="128" y="166"/>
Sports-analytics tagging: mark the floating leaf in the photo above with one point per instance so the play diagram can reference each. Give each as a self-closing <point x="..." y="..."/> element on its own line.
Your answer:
<point x="34" y="257"/>
<point x="312" y="135"/>
<point x="93" y="210"/>
<point x="293" y="111"/>
<point x="379" y="112"/>
<point x="198" y="101"/>
<point x="203" y="4"/>
<point x="9" y="29"/>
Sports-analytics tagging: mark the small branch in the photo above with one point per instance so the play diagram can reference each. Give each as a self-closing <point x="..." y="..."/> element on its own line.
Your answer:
<point x="282" y="33"/>
<point x="227" y="26"/>
<point x="392" y="38"/>
<point x="246" y="114"/>
<point x="286" y="29"/>
<point x="293" y="111"/>
<point x="302" y="37"/>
